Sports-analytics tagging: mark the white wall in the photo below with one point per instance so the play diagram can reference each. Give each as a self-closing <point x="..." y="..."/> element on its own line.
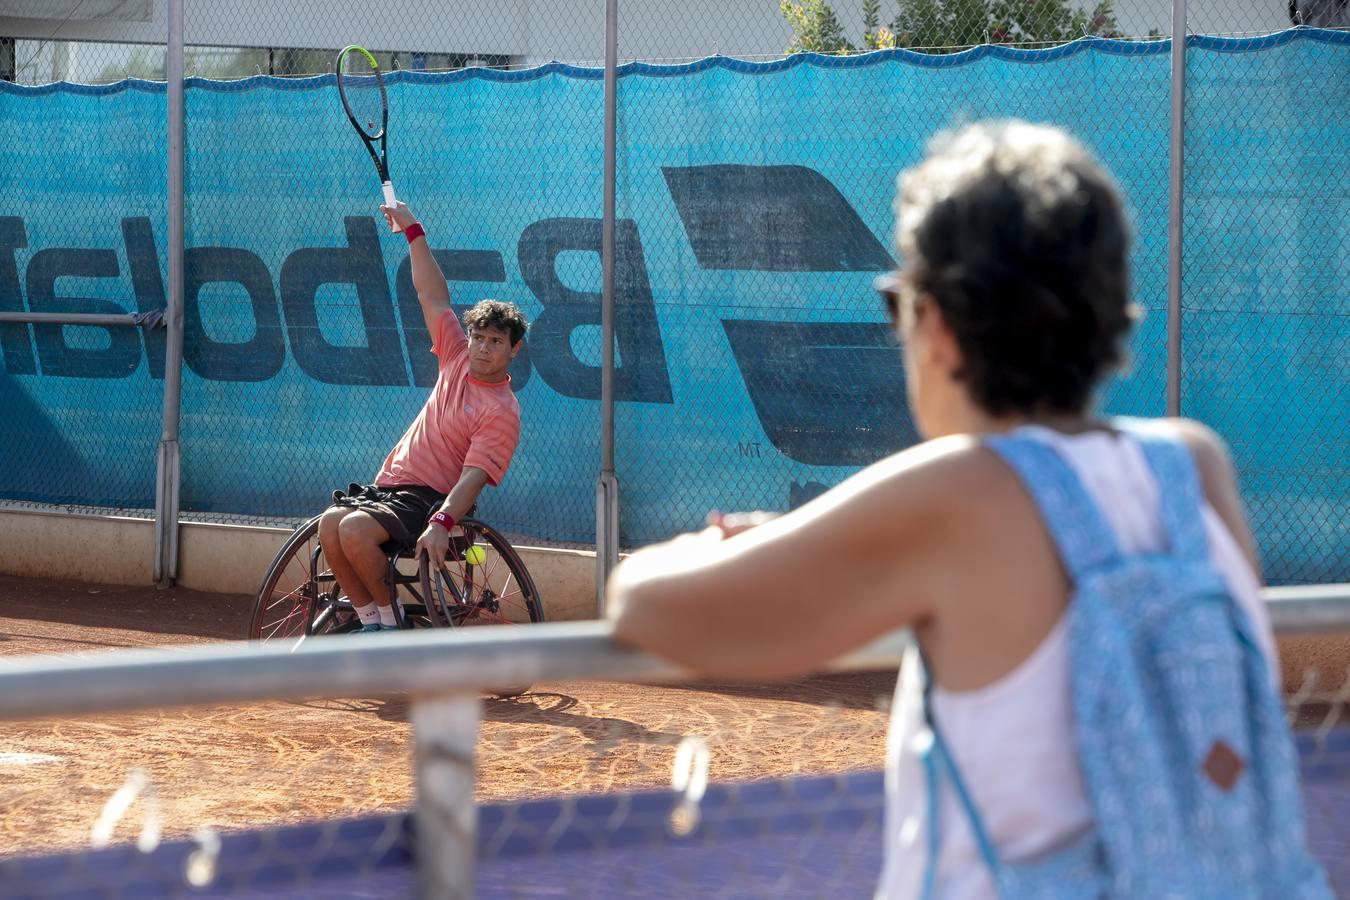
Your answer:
<point x="77" y="10"/>
<point x="228" y="559"/>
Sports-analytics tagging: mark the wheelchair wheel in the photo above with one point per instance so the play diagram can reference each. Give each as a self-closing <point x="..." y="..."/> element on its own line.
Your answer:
<point x="496" y="590"/>
<point x="299" y="595"/>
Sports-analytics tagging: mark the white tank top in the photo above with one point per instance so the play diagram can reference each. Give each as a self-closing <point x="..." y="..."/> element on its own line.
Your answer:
<point x="1013" y="739"/>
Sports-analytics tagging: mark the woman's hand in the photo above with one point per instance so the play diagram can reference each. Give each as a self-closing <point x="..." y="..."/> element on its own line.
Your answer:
<point x="732" y="524"/>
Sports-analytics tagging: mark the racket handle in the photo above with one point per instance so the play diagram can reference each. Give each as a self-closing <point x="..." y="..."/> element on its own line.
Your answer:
<point x="389" y="201"/>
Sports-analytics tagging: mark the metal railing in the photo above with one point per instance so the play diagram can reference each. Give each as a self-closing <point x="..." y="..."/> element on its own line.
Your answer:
<point x="444" y="672"/>
<point x="440" y="662"/>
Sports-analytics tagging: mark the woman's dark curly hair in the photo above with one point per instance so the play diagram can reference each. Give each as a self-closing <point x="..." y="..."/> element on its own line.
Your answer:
<point x="1020" y="238"/>
<point x="497" y="314"/>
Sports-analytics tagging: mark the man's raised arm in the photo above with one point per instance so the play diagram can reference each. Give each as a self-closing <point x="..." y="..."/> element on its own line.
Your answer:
<point x="432" y="291"/>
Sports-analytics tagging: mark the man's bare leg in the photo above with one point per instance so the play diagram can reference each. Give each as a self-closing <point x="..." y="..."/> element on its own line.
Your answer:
<point x="360" y="536"/>
<point x="351" y="582"/>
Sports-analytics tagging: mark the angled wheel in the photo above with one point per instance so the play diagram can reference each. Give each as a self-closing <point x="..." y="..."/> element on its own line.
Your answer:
<point x="485" y="585"/>
<point x="299" y="596"/>
<point x="482" y="581"/>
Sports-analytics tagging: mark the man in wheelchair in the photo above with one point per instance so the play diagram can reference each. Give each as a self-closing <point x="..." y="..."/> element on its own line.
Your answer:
<point x="462" y="439"/>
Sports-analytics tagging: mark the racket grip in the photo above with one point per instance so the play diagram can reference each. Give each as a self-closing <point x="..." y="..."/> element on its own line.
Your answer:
<point x="389" y="201"/>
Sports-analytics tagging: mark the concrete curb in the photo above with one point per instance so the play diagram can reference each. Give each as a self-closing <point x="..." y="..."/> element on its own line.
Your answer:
<point x="229" y="559"/>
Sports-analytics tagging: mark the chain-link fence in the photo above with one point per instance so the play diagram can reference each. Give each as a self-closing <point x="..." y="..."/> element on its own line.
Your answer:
<point x="1266" y="312"/>
<point x="763" y="267"/>
<point x="753" y="189"/>
<point x="100" y="41"/>
<point x="81" y="405"/>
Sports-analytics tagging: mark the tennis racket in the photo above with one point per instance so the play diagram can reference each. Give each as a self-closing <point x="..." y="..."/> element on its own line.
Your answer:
<point x="361" y="90"/>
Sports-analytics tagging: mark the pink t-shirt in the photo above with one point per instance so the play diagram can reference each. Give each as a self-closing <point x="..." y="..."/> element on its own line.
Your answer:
<point x="465" y="422"/>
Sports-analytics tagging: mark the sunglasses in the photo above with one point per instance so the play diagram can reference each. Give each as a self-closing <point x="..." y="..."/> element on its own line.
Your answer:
<point x="889" y="286"/>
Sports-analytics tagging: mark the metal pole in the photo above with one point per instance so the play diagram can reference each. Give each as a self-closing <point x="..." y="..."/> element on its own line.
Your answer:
<point x="100" y="319"/>
<point x="607" y="485"/>
<point x="1175" y="196"/>
<point x="462" y="662"/>
<point x="167" y="462"/>
<point x="445" y="731"/>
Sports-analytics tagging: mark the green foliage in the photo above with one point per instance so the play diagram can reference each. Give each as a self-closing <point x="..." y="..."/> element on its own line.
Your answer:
<point x="1103" y="21"/>
<point x="945" y="26"/>
<point x="1040" y="23"/>
<point x="941" y="25"/>
<point x="871" y="10"/>
<point x="815" y="28"/>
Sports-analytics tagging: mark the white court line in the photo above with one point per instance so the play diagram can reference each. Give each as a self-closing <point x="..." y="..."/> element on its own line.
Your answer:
<point x="27" y="759"/>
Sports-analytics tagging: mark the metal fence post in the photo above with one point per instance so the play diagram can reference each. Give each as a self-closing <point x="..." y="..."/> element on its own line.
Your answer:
<point x="167" y="461"/>
<point x="607" y="485"/>
<point x="1175" y="196"/>
<point x="446" y="729"/>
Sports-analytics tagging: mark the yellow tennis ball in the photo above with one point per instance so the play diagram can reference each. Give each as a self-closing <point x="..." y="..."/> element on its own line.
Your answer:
<point x="474" y="555"/>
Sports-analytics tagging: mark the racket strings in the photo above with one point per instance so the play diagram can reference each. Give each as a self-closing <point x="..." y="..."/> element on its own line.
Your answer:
<point x="363" y="94"/>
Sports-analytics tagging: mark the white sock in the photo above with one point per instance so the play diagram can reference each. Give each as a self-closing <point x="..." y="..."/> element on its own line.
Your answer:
<point x="387" y="617"/>
<point x="370" y="613"/>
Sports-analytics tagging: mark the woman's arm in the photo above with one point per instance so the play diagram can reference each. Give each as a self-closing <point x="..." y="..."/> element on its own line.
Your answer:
<point x="787" y="596"/>
<point x="1218" y="479"/>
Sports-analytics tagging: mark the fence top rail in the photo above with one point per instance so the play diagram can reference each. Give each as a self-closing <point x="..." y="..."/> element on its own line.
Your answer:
<point x="448" y="661"/>
<point x="150" y="319"/>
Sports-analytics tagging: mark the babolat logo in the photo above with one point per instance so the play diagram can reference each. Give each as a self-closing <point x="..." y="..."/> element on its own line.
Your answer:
<point x="825" y="393"/>
<point x="294" y="320"/>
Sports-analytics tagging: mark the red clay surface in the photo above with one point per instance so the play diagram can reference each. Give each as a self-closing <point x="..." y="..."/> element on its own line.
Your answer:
<point x="272" y="763"/>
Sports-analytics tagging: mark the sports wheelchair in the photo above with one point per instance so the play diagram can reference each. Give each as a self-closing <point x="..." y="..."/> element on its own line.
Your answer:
<point x="300" y="596"/>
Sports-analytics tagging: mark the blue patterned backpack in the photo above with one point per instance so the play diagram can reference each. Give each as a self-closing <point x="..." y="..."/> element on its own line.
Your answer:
<point x="1187" y="761"/>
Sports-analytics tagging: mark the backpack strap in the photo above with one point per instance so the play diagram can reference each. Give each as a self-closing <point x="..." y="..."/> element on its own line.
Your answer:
<point x="1180" y="496"/>
<point x="1081" y="535"/>
<point x="938" y="765"/>
<point x="944" y="762"/>
<point x="1180" y="499"/>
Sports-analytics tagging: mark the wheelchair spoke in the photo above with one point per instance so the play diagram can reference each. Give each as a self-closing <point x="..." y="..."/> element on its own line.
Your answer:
<point x="490" y="592"/>
<point x="294" y="619"/>
<point x="299" y="594"/>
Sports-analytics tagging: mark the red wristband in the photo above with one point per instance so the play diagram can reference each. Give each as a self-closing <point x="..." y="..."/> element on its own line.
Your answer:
<point x="414" y="231"/>
<point x="444" y="520"/>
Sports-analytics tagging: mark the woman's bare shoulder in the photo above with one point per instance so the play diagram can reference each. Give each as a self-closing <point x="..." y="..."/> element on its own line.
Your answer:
<point x="1218" y="479"/>
<point x="936" y="459"/>
<point x="1207" y="448"/>
<point x="954" y="472"/>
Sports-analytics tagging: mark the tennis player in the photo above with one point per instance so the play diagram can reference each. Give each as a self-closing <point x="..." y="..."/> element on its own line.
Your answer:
<point x="462" y="439"/>
<point x="1011" y="308"/>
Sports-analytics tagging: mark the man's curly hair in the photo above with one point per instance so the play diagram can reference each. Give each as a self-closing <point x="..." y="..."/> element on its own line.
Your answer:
<point x="1020" y="238"/>
<point x="497" y="314"/>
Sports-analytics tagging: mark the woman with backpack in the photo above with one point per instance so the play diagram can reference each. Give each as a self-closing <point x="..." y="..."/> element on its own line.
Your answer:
<point x="1095" y="709"/>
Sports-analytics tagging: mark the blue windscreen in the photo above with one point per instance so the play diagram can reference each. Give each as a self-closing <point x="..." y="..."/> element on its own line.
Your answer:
<point x="754" y="208"/>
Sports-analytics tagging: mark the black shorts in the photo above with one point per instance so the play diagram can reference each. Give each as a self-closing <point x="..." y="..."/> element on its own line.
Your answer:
<point x="402" y="510"/>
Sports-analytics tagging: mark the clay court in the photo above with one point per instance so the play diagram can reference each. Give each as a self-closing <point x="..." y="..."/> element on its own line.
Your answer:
<point x="241" y="767"/>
